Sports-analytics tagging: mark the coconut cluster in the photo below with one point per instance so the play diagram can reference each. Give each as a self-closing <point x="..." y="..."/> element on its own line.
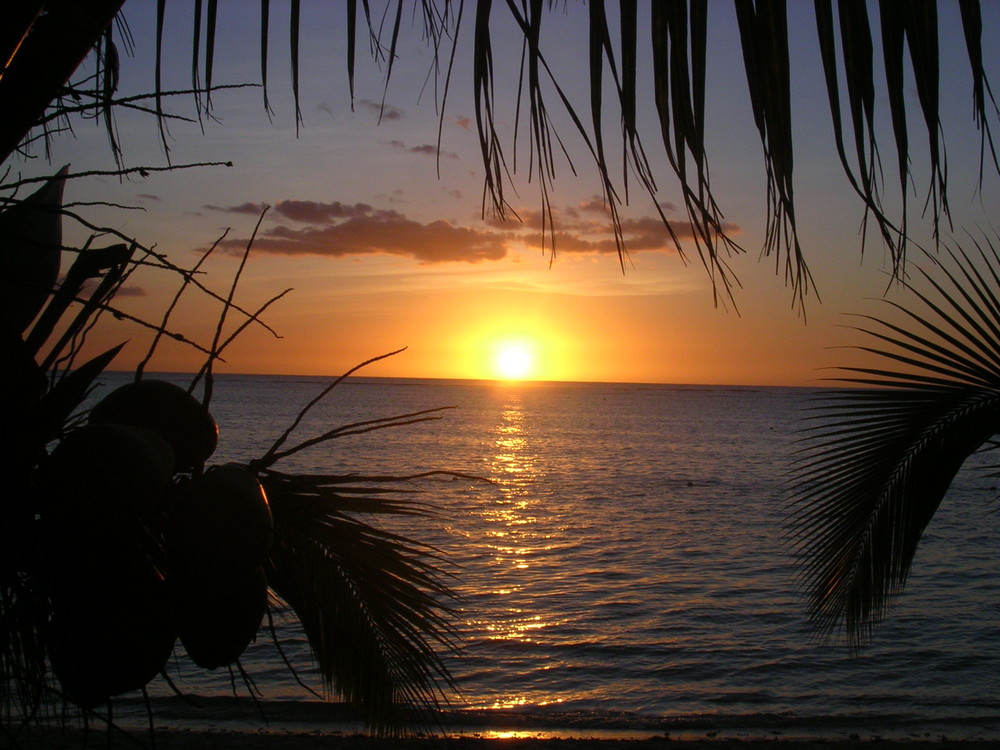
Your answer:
<point x="148" y="546"/>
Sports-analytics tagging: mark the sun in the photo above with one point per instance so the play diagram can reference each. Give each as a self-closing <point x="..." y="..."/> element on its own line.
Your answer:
<point x="514" y="360"/>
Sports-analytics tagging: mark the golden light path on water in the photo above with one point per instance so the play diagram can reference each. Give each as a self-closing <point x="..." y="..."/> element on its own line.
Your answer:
<point x="513" y="538"/>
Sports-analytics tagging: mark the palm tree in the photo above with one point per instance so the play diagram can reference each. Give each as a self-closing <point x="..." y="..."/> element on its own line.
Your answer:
<point x="375" y="606"/>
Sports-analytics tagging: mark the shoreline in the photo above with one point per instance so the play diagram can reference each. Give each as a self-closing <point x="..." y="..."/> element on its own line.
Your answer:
<point x="232" y="723"/>
<point x="196" y="739"/>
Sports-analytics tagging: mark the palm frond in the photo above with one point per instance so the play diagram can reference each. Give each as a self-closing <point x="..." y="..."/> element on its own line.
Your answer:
<point x="764" y="36"/>
<point x="857" y="50"/>
<point x="972" y="25"/>
<point x="679" y="88"/>
<point x="373" y="604"/>
<point x="879" y="455"/>
<point x="678" y="32"/>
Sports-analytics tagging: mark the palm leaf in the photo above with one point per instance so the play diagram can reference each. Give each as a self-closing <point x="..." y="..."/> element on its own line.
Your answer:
<point x="972" y="25"/>
<point x="679" y="90"/>
<point x="879" y="456"/>
<point x="856" y="43"/>
<point x="373" y="603"/>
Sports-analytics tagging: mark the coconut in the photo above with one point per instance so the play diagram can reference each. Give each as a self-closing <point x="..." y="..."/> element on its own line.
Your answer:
<point x="220" y="528"/>
<point x="110" y="633"/>
<point x="167" y="409"/>
<point x="106" y="473"/>
<point x="215" y="626"/>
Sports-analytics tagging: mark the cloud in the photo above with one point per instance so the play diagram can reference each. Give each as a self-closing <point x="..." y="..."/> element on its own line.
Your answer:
<point x="319" y="213"/>
<point x="337" y="229"/>
<point x="124" y="291"/>
<point x="426" y="149"/>
<point x="243" y="208"/>
<point x="148" y="196"/>
<point x="566" y="219"/>
<point x="386" y="111"/>
<point x="463" y="122"/>
<point x="571" y="243"/>
<point x="647" y="233"/>
<point x="383" y="232"/>
<point x="431" y="150"/>
<point x="594" y="205"/>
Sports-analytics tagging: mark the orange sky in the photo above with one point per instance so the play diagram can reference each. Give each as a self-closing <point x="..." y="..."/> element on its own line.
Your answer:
<point x="382" y="253"/>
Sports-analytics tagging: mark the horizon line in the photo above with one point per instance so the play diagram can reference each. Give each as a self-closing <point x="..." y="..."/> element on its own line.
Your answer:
<point x="482" y="381"/>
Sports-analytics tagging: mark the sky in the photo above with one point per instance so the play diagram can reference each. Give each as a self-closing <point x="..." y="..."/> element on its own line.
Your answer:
<point x="384" y="242"/>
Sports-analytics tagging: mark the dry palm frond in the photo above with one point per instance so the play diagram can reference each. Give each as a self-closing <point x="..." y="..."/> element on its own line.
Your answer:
<point x="679" y="87"/>
<point x="972" y="25"/>
<point x="857" y="50"/>
<point x="764" y="37"/>
<point x="881" y="455"/>
<point x="678" y="33"/>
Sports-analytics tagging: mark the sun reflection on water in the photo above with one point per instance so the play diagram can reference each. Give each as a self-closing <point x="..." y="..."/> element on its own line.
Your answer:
<point x="513" y="466"/>
<point x="516" y="534"/>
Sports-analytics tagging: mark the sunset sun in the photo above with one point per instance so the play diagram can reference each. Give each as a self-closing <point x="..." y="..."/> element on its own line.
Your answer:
<point x="514" y="360"/>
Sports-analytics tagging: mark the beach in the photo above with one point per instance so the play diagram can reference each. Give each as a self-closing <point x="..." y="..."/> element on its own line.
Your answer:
<point x="198" y="740"/>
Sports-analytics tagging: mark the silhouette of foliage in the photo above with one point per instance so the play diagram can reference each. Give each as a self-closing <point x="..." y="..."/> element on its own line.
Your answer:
<point x="880" y="455"/>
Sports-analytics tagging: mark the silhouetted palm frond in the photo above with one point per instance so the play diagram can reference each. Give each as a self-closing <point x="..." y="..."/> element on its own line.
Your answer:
<point x="880" y="455"/>
<point x="373" y="604"/>
<point x="907" y="41"/>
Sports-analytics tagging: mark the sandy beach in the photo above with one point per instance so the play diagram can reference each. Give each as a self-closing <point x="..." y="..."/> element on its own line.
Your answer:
<point x="208" y="740"/>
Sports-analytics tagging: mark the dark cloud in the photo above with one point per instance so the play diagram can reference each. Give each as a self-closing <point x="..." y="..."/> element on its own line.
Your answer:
<point x="429" y="149"/>
<point x="386" y="232"/>
<point x="566" y="219"/>
<point x="320" y="213"/>
<point x="647" y="233"/>
<point x="426" y="149"/>
<point x="572" y="243"/>
<point x="595" y="205"/>
<point x="125" y="291"/>
<point x="338" y="229"/>
<point x="386" y="111"/>
<point x="148" y="196"/>
<point x="243" y="208"/>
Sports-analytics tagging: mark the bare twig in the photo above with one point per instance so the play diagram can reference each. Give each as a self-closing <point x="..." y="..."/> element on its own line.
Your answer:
<point x="188" y="277"/>
<point x="207" y="397"/>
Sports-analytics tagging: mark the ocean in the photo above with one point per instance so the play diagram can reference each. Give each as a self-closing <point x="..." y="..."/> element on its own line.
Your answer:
<point x="625" y="573"/>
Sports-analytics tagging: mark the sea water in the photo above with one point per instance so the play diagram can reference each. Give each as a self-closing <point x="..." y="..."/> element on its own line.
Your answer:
<point x="624" y="568"/>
